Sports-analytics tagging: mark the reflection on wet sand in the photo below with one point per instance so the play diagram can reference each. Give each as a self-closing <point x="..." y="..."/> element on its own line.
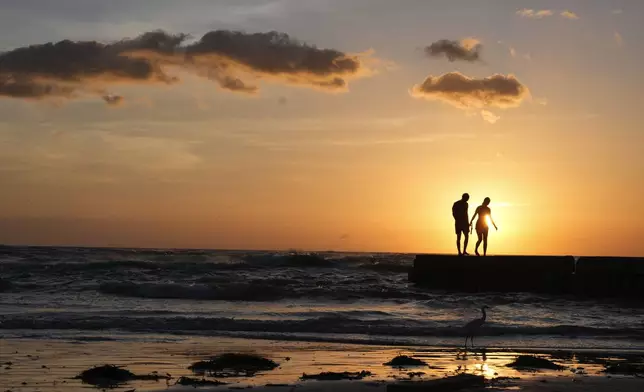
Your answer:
<point x="52" y="364"/>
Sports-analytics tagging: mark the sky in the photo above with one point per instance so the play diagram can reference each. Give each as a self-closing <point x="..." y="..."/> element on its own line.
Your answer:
<point x="322" y="124"/>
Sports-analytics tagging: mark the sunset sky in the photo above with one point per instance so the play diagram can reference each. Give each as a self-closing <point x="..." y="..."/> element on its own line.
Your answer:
<point x="357" y="131"/>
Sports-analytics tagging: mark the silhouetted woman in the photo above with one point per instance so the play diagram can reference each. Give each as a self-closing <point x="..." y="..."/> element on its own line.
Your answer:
<point x="483" y="211"/>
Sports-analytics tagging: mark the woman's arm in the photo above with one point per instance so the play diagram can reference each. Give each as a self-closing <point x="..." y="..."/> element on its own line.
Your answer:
<point x="493" y="220"/>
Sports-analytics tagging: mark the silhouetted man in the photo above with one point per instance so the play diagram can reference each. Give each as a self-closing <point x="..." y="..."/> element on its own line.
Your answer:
<point x="461" y="223"/>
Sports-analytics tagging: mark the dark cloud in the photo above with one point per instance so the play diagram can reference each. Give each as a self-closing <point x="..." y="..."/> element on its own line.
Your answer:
<point x="465" y="50"/>
<point x="69" y="68"/>
<point x="271" y="55"/>
<point x="470" y="93"/>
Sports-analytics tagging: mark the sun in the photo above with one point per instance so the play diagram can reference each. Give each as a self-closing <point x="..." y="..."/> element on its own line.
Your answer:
<point x="488" y="221"/>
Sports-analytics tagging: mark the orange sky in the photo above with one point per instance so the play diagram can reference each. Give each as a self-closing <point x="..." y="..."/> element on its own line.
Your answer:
<point x="368" y="169"/>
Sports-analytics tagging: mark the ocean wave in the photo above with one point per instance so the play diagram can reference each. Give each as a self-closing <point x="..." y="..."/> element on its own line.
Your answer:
<point x="387" y="267"/>
<point x="114" y="266"/>
<point x="257" y="290"/>
<point x="227" y="292"/>
<point x="76" y="260"/>
<point x="289" y="260"/>
<point x="332" y="324"/>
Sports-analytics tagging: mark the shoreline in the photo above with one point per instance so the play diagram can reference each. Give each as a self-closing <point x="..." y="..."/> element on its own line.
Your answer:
<point x="49" y="364"/>
<point x="503" y="343"/>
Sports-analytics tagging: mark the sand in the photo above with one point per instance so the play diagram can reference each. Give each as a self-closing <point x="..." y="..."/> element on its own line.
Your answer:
<point x="51" y="365"/>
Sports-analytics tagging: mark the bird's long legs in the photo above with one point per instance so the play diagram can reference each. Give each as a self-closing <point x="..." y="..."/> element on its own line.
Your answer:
<point x="471" y="338"/>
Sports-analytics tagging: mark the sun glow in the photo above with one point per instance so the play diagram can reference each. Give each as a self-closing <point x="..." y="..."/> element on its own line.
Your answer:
<point x="488" y="221"/>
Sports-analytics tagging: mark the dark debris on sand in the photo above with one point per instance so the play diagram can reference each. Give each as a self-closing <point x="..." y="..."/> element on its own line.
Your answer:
<point x="587" y="358"/>
<point x="109" y="376"/>
<point x="453" y="383"/>
<point x="409" y="376"/>
<point x="502" y="381"/>
<point x="336" y="376"/>
<point x="233" y="365"/>
<point x="533" y="362"/>
<point x="405" y="361"/>
<point x="269" y="385"/>
<point x="628" y="368"/>
<point x="198" y="382"/>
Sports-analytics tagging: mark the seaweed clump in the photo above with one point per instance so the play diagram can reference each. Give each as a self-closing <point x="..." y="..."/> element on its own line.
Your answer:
<point x="110" y="376"/>
<point x="532" y="362"/>
<point x="197" y="382"/>
<point x="336" y="376"/>
<point x="233" y="365"/>
<point x="405" y="361"/>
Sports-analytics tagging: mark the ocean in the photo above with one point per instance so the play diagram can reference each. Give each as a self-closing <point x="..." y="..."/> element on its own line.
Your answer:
<point x="365" y="298"/>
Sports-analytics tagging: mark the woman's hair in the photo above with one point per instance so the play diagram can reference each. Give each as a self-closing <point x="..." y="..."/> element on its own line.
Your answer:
<point x="486" y="201"/>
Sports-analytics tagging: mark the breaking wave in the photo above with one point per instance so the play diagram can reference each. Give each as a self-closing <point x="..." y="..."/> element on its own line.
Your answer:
<point x="331" y="324"/>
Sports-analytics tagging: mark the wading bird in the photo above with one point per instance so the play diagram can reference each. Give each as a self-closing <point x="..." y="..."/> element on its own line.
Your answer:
<point x="474" y="326"/>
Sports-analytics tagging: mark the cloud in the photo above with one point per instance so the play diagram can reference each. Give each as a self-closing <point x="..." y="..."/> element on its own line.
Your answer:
<point x="465" y="50"/>
<point x="534" y="14"/>
<point x="456" y="89"/>
<point x="541" y="101"/>
<point x="569" y="15"/>
<point x="489" y="116"/>
<point x="618" y="39"/>
<point x="513" y="52"/>
<point x="235" y="61"/>
<point x="539" y="14"/>
<point x="617" y="12"/>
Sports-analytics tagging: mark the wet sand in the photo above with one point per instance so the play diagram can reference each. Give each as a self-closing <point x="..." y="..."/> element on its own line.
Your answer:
<point x="51" y="365"/>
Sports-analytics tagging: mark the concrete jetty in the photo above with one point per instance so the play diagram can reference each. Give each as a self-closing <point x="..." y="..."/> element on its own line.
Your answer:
<point x="610" y="277"/>
<point x="587" y="276"/>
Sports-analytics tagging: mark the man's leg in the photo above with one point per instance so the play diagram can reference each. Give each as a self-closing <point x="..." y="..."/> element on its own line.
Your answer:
<point x="465" y="240"/>
<point x="458" y="242"/>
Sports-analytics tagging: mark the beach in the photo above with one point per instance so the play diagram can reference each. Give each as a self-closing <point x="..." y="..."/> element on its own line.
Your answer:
<point x="155" y="313"/>
<point x="52" y="364"/>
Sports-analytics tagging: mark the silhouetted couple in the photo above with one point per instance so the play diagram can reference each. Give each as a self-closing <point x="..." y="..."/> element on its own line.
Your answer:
<point x="464" y="226"/>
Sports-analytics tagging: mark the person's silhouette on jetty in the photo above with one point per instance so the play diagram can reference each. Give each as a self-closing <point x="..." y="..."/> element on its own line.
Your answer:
<point x="461" y="223"/>
<point x="483" y="211"/>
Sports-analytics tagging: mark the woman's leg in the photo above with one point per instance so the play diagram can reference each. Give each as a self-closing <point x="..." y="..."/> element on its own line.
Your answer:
<point x="478" y="233"/>
<point x="485" y="243"/>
